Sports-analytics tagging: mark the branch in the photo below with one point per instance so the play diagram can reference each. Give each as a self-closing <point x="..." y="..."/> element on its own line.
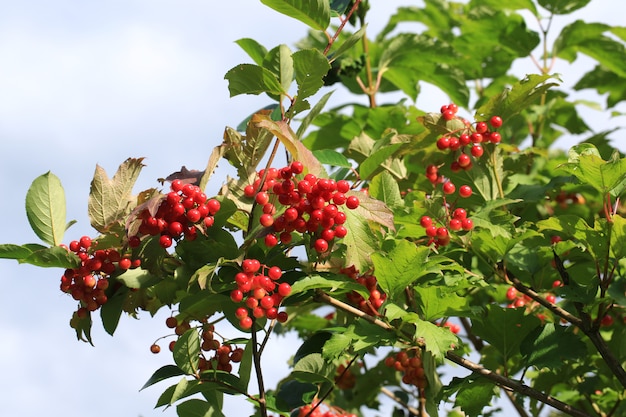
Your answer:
<point x="515" y="386"/>
<point x="397" y="399"/>
<point x="340" y="28"/>
<point x="465" y="363"/>
<point x="256" y="356"/>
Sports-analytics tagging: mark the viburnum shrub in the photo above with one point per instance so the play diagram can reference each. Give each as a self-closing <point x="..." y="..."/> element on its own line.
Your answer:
<point x="392" y="240"/>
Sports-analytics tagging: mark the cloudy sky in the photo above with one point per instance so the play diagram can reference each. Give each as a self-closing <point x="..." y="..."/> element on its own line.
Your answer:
<point x="95" y="82"/>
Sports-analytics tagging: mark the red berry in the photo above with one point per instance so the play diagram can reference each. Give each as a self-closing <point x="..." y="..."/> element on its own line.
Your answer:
<point x="465" y="191"/>
<point x="213" y="205"/>
<point x="459" y="213"/>
<point x="467" y="224"/>
<point x="495" y="121"/>
<point x="442" y="232"/>
<point x="477" y="151"/>
<point x="464" y="160"/>
<point x="340" y="231"/>
<point x="193" y="215"/>
<point x="320" y="246"/>
<point x="284" y="289"/>
<point x="248" y="191"/>
<point x="124" y="263"/>
<point x="85" y="242"/>
<point x="171" y="322"/>
<point x="448" y="187"/>
<point x="266" y="220"/>
<point x="448" y="115"/>
<point x="511" y="294"/>
<point x="495" y="137"/>
<point x="352" y="202"/>
<point x="245" y="323"/>
<point x="250" y="265"/>
<point x="443" y="143"/>
<point x="297" y="167"/>
<point x="426" y="221"/>
<point x="476" y="138"/>
<point x="282" y="317"/>
<point x="155" y="348"/>
<point x="165" y="241"/>
<point x="431" y="231"/>
<point x="481" y="127"/>
<point x="454" y="224"/>
<point x="271" y="240"/>
<point x="262" y="198"/>
<point x="241" y="313"/>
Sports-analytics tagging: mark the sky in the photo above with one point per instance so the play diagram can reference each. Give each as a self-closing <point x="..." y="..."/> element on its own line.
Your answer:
<point x="85" y="83"/>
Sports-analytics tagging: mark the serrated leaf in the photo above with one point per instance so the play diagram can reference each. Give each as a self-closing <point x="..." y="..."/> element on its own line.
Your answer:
<point x="310" y="67"/>
<point x="254" y="49"/>
<point x="517" y="98"/>
<point x="588" y="38"/>
<point x="385" y="188"/>
<point x="543" y="347"/>
<point x="400" y="267"/>
<point x="283" y="132"/>
<point x="436" y="302"/>
<point x="505" y="328"/>
<point x="376" y="159"/>
<point x="314" y="13"/>
<point x="186" y="351"/>
<point x="252" y="79"/>
<point x="604" y="81"/>
<point x="330" y="283"/>
<point x="588" y="166"/>
<point x="45" y="208"/>
<point x="349" y="43"/>
<point x="165" y="372"/>
<point x="110" y="198"/>
<point x="474" y="394"/>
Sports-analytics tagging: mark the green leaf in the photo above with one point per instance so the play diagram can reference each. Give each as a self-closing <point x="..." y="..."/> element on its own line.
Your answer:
<point x="349" y="43"/>
<point x="385" y="188"/>
<point x="588" y="38"/>
<point x="312" y="114"/>
<point x="400" y="267"/>
<point x="138" y="278"/>
<point x="165" y="372"/>
<point x="45" y="208"/>
<point x="111" y="311"/>
<point x="109" y="199"/>
<point x="310" y="66"/>
<point x="505" y="328"/>
<point x="245" y="366"/>
<point x="314" y="13"/>
<point x="11" y="251"/>
<point x="197" y="408"/>
<point x="588" y="166"/>
<point x="474" y="394"/>
<point x="280" y="62"/>
<point x="437" y="302"/>
<point x="604" y="81"/>
<point x="186" y="351"/>
<point x="313" y="344"/>
<point x="563" y="6"/>
<point x="255" y="50"/>
<point x="252" y="79"/>
<point x="52" y="257"/>
<point x="332" y="158"/>
<point x="544" y="346"/>
<point x="339" y="6"/>
<point x="313" y="369"/>
<point x="376" y="159"/>
<point x="360" y="241"/>
<point x="517" y="98"/>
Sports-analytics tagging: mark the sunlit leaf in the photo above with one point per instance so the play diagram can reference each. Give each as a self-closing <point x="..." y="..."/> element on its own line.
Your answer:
<point x="45" y="208"/>
<point x="252" y="79"/>
<point x="110" y="198"/>
<point x="315" y="13"/>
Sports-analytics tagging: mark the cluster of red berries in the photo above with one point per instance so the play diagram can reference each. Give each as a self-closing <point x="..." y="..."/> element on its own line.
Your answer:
<point x="465" y="145"/>
<point x="183" y="211"/>
<point x="312" y="205"/>
<point x="344" y="378"/>
<point x="88" y="282"/>
<point x="440" y="235"/>
<point x="258" y="290"/>
<point x="219" y="356"/>
<point x="312" y="410"/>
<point x="376" y="298"/>
<point x="409" y="363"/>
<point x="454" y="328"/>
<point x="565" y="199"/>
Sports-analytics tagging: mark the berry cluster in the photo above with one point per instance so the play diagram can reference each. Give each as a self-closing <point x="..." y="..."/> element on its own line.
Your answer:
<point x="454" y="328"/>
<point x="312" y="410"/>
<point x="88" y="282"/>
<point x="219" y="356"/>
<point x="410" y="364"/>
<point x="312" y="205"/>
<point x="258" y="290"/>
<point x="344" y="378"/>
<point x="466" y="145"/>
<point x="376" y="298"/>
<point x="182" y="212"/>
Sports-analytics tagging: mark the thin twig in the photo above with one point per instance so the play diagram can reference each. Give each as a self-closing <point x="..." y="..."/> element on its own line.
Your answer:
<point x="397" y="399"/>
<point x="340" y="28"/>
<point x="256" y="357"/>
